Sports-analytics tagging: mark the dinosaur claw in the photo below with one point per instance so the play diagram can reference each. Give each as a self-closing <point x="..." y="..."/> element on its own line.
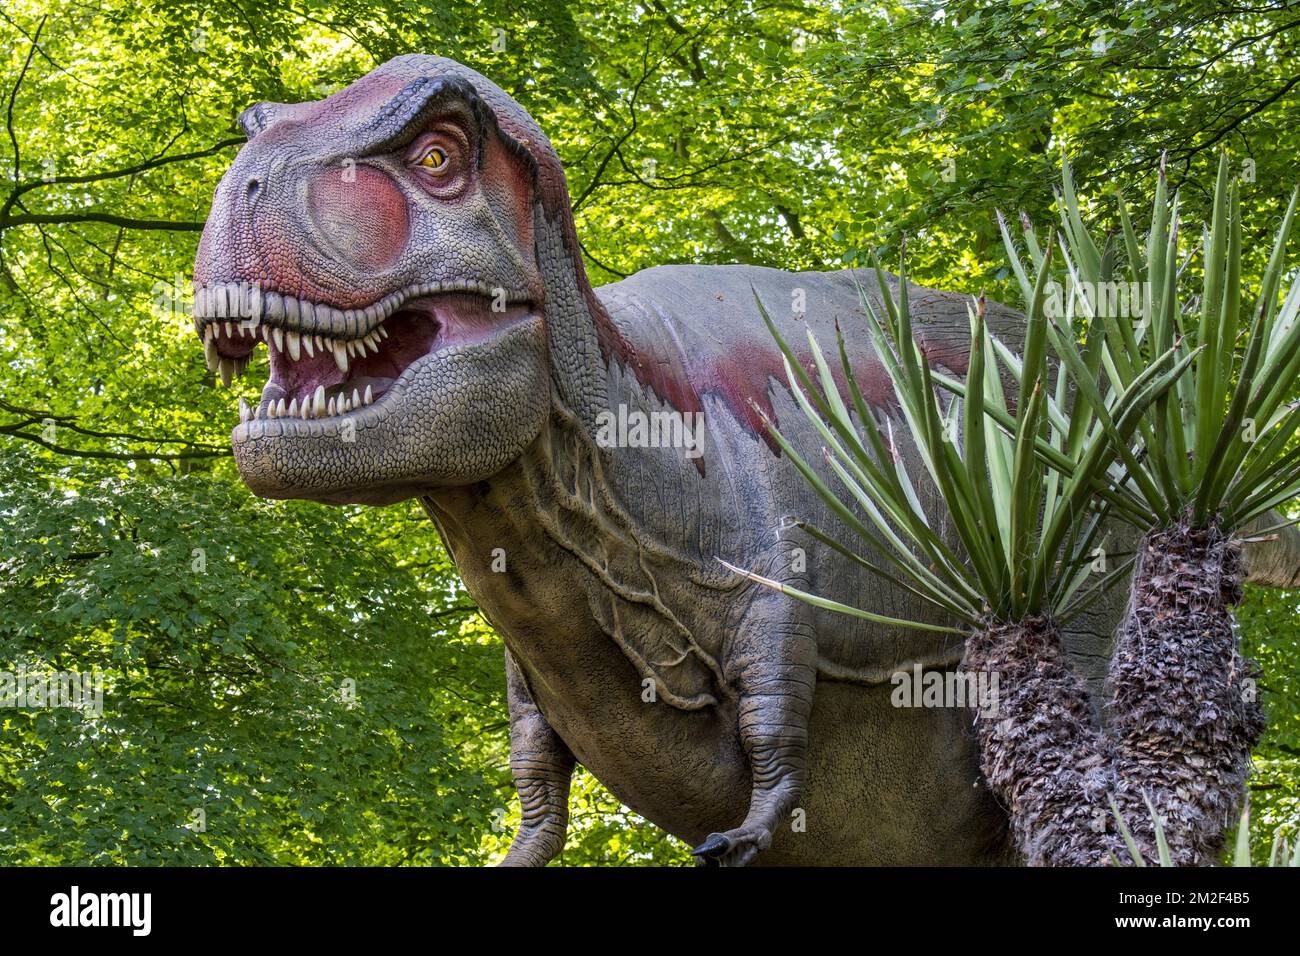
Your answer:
<point x="734" y="848"/>
<point x="714" y="845"/>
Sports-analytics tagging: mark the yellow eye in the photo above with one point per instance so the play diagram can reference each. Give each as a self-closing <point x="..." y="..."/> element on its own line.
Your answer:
<point x="433" y="159"/>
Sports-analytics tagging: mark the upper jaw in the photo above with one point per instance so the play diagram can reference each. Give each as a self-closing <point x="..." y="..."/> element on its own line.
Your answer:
<point x="250" y="306"/>
<point x="318" y="350"/>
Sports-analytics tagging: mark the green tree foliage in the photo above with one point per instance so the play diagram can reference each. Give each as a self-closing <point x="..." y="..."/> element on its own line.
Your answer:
<point x="257" y="661"/>
<point x="797" y="135"/>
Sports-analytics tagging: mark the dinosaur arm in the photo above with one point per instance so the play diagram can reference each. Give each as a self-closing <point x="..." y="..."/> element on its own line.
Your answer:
<point x="773" y="665"/>
<point x="542" y="767"/>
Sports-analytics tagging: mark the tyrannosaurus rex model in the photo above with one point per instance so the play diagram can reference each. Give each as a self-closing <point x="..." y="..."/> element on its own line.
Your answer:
<point x="406" y="250"/>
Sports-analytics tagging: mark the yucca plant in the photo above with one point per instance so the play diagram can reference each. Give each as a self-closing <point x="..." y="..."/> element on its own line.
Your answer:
<point x="1280" y="853"/>
<point x="1027" y="495"/>
<point x="1209" y="462"/>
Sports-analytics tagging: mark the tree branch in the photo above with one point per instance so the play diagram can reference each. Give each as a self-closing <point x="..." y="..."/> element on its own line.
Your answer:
<point x="126" y="222"/>
<point x="13" y="96"/>
<point x="17" y="432"/>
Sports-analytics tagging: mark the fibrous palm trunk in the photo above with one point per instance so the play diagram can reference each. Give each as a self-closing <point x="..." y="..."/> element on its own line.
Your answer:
<point x="1184" y="713"/>
<point x="1183" y="717"/>
<point x="1040" y="748"/>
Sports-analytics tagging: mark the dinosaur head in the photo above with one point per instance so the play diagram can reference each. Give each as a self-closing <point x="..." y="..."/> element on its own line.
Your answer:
<point x="380" y="244"/>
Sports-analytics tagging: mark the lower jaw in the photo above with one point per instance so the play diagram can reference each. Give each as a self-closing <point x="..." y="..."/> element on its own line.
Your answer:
<point x="393" y="449"/>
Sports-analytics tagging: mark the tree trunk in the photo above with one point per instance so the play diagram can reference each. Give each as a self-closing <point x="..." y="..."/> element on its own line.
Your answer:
<point x="1184" y="709"/>
<point x="1184" y="717"/>
<point x="1040" y="748"/>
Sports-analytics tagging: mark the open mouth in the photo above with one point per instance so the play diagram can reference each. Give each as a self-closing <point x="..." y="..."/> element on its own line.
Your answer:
<point x="328" y="362"/>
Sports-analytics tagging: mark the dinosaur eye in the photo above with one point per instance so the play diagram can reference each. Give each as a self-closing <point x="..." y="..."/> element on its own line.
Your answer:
<point x="440" y="160"/>
<point x="433" y="160"/>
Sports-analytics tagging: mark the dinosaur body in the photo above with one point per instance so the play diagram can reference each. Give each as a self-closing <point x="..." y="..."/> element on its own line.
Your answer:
<point x="622" y="587"/>
<point x="406" y="250"/>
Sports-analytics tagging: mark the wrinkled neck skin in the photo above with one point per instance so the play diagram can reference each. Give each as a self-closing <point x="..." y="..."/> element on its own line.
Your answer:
<point x="565" y="491"/>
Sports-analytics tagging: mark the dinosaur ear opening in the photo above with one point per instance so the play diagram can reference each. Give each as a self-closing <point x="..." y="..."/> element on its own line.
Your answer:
<point x="258" y="117"/>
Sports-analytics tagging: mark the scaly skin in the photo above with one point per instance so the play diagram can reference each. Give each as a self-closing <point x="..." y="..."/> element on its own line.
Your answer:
<point x="688" y="691"/>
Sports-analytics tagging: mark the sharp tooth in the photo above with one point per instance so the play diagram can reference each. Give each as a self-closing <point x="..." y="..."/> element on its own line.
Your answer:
<point x="210" y="353"/>
<point x="371" y="343"/>
<point x="305" y="412"/>
<point x="329" y="407"/>
<point x="293" y="408"/>
<point x="227" y="370"/>
<point x="383" y="332"/>
<point x="345" y="406"/>
<point x="295" y="345"/>
<point x="243" y="411"/>
<point x="341" y="355"/>
<point x="281" y="409"/>
<point x="230" y="330"/>
<point x="318" y="401"/>
<point x="279" y="339"/>
<point x="318" y="342"/>
<point x="356" y="398"/>
<point x="368" y="396"/>
<point x="306" y="343"/>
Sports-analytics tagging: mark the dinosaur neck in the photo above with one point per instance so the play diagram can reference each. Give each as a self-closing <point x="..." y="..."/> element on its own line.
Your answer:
<point x="560" y="499"/>
<point x="567" y="484"/>
<point x="582" y="339"/>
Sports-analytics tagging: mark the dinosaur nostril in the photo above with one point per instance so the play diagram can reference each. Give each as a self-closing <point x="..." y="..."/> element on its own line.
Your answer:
<point x="254" y="187"/>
